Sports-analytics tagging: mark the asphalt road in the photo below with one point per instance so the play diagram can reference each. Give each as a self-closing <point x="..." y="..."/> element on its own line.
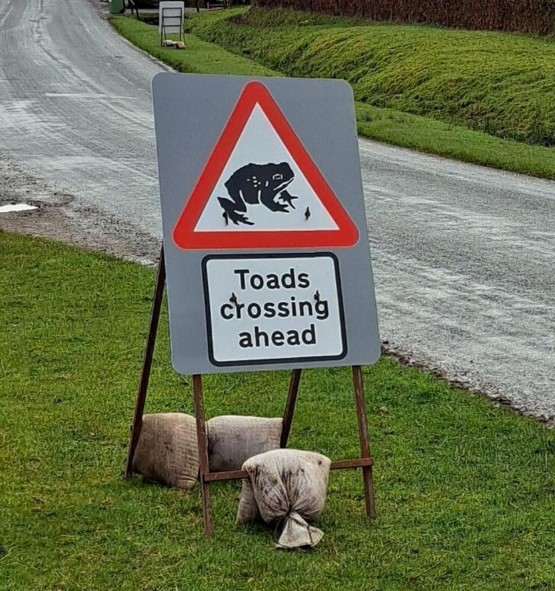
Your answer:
<point x="464" y="256"/>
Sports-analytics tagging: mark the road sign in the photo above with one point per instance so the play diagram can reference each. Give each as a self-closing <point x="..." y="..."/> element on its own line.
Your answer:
<point x="261" y="189"/>
<point x="265" y="235"/>
<point x="171" y="14"/>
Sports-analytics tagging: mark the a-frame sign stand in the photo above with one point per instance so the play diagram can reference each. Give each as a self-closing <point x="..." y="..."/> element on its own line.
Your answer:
<point x="206" y="477"/>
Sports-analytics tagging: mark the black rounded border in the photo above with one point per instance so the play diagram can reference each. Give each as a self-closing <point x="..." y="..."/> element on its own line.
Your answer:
<point x="274" y="361"/>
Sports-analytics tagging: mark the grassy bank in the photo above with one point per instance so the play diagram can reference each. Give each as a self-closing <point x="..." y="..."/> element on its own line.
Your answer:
<point x="465" y="491"/>
<point x="384" y="124"/>
<point x="498" y="83"/>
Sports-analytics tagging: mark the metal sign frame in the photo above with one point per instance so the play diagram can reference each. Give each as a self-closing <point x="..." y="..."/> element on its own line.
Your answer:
<point x="165" y="25"/>
<point x="365" y="462"/>
<point x="330" y="292"/>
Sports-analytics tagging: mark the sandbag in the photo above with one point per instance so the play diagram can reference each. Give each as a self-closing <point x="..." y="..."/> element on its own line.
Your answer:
<point x="234" y="439"/>
<point x="167" y="451"/>
<point x="290" y="485"/>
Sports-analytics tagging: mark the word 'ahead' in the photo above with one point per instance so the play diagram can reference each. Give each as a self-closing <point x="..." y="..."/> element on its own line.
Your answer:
<point x="261" y="189"/>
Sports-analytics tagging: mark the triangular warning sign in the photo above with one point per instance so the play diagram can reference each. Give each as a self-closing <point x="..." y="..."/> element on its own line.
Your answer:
<point x="261" y="189"/>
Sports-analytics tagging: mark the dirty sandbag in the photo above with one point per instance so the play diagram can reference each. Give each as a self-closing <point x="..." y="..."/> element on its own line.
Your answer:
<point x="167" y="451"/>
<point x="234" y="439"/>
<point x="286" y="485"/>
<point x="248" y="509"/>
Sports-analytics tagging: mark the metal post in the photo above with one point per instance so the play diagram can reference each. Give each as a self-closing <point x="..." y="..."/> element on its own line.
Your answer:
<point x="147" y="364"/>
<point x="202" y="455"/>
<point x="290" y="406"/>
<point x="182" y="22"/>
<point x="364" y="444"/>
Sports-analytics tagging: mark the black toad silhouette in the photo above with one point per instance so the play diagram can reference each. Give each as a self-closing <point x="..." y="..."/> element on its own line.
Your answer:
<point x="256" y="184"/>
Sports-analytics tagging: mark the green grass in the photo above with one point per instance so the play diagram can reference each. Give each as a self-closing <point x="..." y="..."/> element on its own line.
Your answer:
<point x="465" y="491"/>
<point x="390" y="125"/>
<point x="199" y="57"/>
<point x="503" y="84"/>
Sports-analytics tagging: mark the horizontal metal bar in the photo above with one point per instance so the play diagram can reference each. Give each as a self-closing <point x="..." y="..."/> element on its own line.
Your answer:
<point x="345" y="464"/>
<point x="238" y="474"/>
<point x="230" y="475"/>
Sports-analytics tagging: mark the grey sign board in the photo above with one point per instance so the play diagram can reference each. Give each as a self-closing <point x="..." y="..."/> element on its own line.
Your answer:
<point x="265" y="236"/>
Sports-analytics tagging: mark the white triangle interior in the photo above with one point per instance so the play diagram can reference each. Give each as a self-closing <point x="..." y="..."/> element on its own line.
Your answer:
<point x="260" y="144"/>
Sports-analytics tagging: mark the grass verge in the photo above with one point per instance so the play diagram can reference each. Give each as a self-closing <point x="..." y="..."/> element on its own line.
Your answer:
<point x="389" y="125"/>
<point x="465" y="490"/>
<point x="200" y="57"/>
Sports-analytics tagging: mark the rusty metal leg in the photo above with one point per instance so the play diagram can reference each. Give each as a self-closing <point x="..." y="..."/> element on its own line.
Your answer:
<point x="364" y="444"/>
<point x="202" y="454"/>
<point x="147" y="364"/>
<point x="290" y="406"/>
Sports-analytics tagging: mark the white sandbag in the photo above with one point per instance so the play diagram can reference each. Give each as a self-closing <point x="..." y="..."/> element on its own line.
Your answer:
<point x="234" y="439"/>
<point x="167" y="451"/>
<point x="290" y="485"/>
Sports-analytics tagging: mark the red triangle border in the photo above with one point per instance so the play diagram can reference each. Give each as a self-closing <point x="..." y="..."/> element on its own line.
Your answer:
<point x="184" y="234"/>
